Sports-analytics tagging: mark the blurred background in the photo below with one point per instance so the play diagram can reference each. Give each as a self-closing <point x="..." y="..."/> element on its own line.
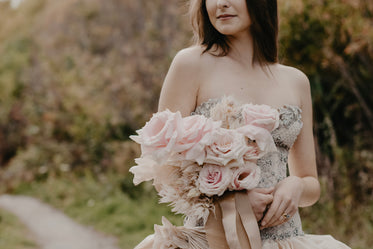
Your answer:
<point x="77" y="77"/>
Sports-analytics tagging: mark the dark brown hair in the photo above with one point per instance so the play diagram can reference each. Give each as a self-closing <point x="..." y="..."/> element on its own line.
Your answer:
<point x="264" y="29"/>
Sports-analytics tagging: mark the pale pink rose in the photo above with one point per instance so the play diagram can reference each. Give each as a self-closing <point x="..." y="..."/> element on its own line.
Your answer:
<point x="160" y="134"/>
<point x="214" y="179"/>
<point x="262" y="137"/>
<point x="253" y="152"/>
<point x="246" y="177"/>
<point x="227" y="145"/>
<point x="197" y="133"/>
<point x="262" y="116"/>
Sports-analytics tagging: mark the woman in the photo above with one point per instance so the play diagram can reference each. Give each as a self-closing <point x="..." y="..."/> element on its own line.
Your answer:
<point x="236" y="55"/>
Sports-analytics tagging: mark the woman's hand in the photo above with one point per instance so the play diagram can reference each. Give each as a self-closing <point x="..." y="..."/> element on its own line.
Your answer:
<point x="260" y="198"/>
<point x="285" y="203"/>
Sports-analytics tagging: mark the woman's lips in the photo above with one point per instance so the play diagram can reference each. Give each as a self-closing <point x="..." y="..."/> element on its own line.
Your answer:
<point x="225" y="17"/>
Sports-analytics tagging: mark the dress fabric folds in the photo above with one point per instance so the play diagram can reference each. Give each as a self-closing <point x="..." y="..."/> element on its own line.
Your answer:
<point x="307" y="241"/>
<point x="273" y="167"/>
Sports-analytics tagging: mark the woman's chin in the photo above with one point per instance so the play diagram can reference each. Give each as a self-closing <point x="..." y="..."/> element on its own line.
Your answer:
<point x="228" y="31"/>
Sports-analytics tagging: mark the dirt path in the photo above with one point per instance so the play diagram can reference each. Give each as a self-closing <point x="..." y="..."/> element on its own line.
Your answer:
<point x="53" y="229"/>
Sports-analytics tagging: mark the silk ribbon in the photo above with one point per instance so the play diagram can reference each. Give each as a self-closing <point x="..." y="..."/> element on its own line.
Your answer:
<point x="233" y="224"/>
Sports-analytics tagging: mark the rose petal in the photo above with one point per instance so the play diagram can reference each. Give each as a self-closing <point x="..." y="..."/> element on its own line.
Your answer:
<point x="214" y="180"/>
<point x="144" y="171"/>
<point x="245" y="178"/>
<point x="262" y="137"/>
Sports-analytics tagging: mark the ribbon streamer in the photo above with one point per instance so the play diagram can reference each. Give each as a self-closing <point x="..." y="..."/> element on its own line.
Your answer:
<point x="233" y="225"/>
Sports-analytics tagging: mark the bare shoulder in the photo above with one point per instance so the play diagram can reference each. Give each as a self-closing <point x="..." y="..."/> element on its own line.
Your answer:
<point x="297" y="82"/>
<point x="295" y="77"/>
<point x="186" y="66"/>
<point x="294" y="74"/>
<point x="191" y="52"/>
<point x="180" y="87"/>
<point x="190" y="57"/>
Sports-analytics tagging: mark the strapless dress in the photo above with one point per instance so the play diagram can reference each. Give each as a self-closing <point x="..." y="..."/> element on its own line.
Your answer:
<point x="273" y="165"/>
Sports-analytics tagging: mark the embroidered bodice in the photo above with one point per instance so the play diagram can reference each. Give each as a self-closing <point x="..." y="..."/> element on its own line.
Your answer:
<point x="273" y="165"/>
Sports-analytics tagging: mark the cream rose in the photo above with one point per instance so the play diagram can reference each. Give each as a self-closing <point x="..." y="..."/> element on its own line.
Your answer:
<point x="197" y="133"/>
<point x="160" y="134"/>
<point x="214" y="179"/>
<point x="227" y="145"/>
<point x="262" y="116"/>
<point x="246" y="177"/>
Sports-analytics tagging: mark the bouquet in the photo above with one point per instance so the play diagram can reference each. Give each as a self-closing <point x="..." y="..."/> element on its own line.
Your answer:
<point x="194" y="160"/>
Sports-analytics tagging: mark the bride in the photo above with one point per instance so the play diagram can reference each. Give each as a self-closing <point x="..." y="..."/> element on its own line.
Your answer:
<point x="236" y="56"/>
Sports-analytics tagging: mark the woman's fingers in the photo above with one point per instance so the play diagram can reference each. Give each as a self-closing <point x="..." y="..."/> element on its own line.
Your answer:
<point x="286" y="200"/>
<point x="259" y="200"/>
<point x="266" y="191"/>
<point x="277" y="214"/>
<point x="271" y="212"/>
<point x="280" y="213"/>
<point x="288" y="213"/>
<point x="258" y="216"/>
<point x="268" y="199"/>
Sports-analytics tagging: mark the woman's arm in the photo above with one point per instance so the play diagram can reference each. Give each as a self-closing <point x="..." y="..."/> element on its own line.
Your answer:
<point x="302" y="159"/>
<point x="180" y="87"/>
<point x="301" y="188"/>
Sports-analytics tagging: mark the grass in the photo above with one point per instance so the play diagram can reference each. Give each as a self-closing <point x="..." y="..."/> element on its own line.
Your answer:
<point x="13" y="235"/>
<point x="100" y="203"/>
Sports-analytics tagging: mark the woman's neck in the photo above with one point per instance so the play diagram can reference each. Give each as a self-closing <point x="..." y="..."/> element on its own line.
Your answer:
<point x="242" y="49"/>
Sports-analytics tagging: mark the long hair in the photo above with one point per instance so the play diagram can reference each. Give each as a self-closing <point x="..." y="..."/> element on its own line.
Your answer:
<point x="263" y="28"/>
